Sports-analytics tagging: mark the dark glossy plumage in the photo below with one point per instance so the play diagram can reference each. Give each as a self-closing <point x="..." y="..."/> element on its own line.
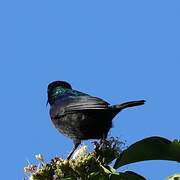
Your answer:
<point x="79" y="115"/>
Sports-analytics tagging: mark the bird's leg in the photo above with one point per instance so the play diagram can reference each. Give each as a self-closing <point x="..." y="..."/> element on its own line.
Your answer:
<point x="76" y="144"/>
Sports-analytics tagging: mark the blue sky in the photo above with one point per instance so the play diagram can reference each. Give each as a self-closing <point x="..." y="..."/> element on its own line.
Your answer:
<point x="118" y="50"/>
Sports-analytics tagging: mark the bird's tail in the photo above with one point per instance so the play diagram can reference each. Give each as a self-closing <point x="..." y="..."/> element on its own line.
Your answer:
<point x="119" y="107"/>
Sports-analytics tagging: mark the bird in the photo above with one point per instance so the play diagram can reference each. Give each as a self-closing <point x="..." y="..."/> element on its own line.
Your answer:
<point x="81" y="116"/>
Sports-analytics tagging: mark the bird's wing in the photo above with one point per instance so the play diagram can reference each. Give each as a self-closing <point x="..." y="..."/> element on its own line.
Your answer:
<point x="85" y="103"/>
<point x="69" y="104"/>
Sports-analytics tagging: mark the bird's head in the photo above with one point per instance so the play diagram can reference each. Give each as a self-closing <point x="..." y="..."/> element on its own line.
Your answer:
<point x="56" y="88"/>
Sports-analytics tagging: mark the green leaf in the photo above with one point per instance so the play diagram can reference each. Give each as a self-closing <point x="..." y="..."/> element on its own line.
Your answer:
<point x="128" y="175"/>
<point x="110" y="173"/>
<point x="152" y="148"/>
<point x="106" y="169"/>
<point x="93" y="176"/>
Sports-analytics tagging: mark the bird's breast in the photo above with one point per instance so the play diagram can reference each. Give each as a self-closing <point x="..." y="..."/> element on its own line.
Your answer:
<point x="82" y="126"/>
